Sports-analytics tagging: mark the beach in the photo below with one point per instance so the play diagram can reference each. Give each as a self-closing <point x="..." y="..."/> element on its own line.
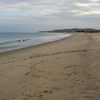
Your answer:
<point x="67" y="69"/>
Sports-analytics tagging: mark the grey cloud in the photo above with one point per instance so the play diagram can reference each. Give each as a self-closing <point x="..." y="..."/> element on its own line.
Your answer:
<point x="49" y="14"/>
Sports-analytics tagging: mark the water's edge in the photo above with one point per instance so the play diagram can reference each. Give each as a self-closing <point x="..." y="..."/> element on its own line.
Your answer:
<point x="37" y="44"/>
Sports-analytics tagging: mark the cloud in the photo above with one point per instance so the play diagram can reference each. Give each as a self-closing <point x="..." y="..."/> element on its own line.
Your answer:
<point x="34" y="8"/>
<point x="49" y="8"/>
<point x="88" y="12"/>
<point x="94" y="0"/>
<point x="48" y="13"/>
<point x="80" y="4"/>
<point x="91" y="7"/>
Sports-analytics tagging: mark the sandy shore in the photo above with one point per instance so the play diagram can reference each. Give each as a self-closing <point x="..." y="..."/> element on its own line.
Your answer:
<point x="68" y="69"/>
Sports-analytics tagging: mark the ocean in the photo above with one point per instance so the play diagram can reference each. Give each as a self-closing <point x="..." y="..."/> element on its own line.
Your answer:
<point x="11" y="41"/>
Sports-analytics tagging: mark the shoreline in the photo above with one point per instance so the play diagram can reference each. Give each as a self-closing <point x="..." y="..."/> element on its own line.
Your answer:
<point x="35" y="46"/>
<point x="23" y="43"/>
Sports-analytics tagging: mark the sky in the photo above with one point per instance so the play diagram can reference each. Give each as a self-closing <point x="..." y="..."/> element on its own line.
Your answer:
<point x="37" y="15"/>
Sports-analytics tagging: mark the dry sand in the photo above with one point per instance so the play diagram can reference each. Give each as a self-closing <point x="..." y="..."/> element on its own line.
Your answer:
<point x="68" y="69"/>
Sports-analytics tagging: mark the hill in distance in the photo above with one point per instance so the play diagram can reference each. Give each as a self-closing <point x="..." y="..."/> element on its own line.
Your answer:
<point x="86" y="30"/>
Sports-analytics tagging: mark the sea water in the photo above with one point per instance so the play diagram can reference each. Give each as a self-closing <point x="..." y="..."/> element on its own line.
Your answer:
<point x="11" y="41"/>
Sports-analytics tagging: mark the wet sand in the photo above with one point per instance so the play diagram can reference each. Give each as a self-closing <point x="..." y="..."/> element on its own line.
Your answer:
<point x="68" y="69"/>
